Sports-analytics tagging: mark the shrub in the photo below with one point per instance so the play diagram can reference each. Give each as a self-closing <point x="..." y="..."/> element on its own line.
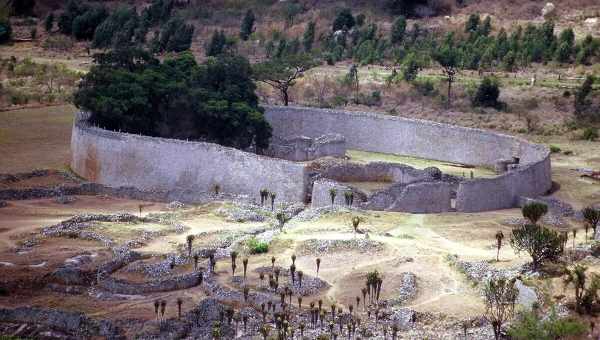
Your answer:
<point x="533" y="211"/>
<point x="487" y="93"/>
<point x="256" y="246"/>
<point x="424" y="87"/>
<point x="554" y="149"/>
<point x="531" y="326"/>
<point x="344" y="20"/>
<point x="540" y="243"/>
<point x="590" y="133"/>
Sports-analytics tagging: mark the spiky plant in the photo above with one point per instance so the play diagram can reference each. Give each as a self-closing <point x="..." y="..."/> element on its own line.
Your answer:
<point x="592" y="218"/>
<point x="190" y="241"/>
<point x="293" y="273"/>
<point x="355" y="223"/>
<point x="273" y="263"/>
<point x="179" y="303"/>
<point x="364" y="293"/>
<point x="332" y="194"/>
<point x="196" y="259"/>
<point x="273" y="195"/>
<point x="299" y="302"/>
<point x="574" y="231"/>
<point x="245" y="264"/>
<point x="211" y="262"/>
<point x="156" y="306"/>
<point x="261" y="276"/>
<point x="333" y="308"/>
<point x="163" y="308"/>
<point x="277" y="272"/>
<point x="246" y="293"/>
<point x="358" y="302"/>
<point x="499" y="238"/>
<point x="300" y="275"/>
<point x="234" y="256"/>
<point x="318" y="261"/>
<point x="293" y="259"/>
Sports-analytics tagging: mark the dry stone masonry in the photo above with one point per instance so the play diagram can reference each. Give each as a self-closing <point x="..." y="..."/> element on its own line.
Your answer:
<point x="185" y="170"/>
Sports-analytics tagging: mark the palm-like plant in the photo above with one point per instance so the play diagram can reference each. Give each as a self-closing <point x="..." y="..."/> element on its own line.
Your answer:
<point x="364" y="294"/>
<point x="499" y="238"/>
<point x="574" y="231"/>
<point x="592" y="218"/>
<point x="190" y="241"/>
<point x="196" y="259"/>
<point x="293" y="273"/>
<point x="234" y="256"/>
<point x="156" y="306"/>
<point x="577" y="278"/>
<point x="246" y="293"/>
<point x="294" y="259"/>
<point x="300" y="275"/>
<point x="273" y="263"/>
<point x="163" y="308"/>
<point x="332" y="194"/>
<point x="245" y="264"/>
<point x="318" y="261"/>
<point x="299" y="302"/>
<point x="273" y="195"/>
<point x="355" y="223"/>
<point x="179" y="303"/>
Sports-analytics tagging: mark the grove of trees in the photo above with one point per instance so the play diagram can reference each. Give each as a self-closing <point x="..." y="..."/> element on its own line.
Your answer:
<point x="131" y="91"/>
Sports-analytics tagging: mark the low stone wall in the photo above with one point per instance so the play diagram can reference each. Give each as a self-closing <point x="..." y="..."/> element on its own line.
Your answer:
<point x="396" y="135"/>
<point x="375" y="172"/>
<point x="301" y="149"/>
<point x="72" y="322"/>
<point x="433" y="197"/>
<point x="321" y="193"/>
<point x="167" y="165"/>
<point x="128" y="288"/>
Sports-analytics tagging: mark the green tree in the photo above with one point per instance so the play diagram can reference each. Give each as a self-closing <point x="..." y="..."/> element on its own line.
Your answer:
<point x="410" y="67"/>
<point x="175" y="36"/>
<point x="282" y="72"/>
<point x="309" y="36"/>
<point x="5" y="28"/>
<point x="49" y="22"/>
<point x="403" y="7"/>
<point x="84" y="25"/>
<point x="23" y="8"/>
<point x="487" y="93"/>
<point x="472" y="24"/>
<point x="247" y="25"/>
<point x="486" y="27"/>
<point x="290" y="10"/>
<point x="500" y="297"/>
<point x="398" y="30"/>
<point x="581" y="102"/>
<point x="534" y="211"/>
<point x="219" y="44"/>
<point x="531" y="326"/>
<point x="131" y="91"/>
<point x="118" y="30"/>
<point x="344" y="20"/>
<point x="540" y="243"/>
<point x="448" y="56"/>
<point x="158" y="11"/>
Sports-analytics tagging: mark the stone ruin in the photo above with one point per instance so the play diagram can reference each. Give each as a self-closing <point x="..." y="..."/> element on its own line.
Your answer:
<point x="302" y="148"/>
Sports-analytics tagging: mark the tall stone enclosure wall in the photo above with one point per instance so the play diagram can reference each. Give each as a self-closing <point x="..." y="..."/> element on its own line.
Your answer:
<point x="395" y="135"/>
<point x="147" y="163"/>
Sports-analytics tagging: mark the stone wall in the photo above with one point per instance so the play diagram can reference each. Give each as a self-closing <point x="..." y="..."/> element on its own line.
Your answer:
<point x="396" y="135"/>
<point x="166" y="165"/>
<point x="302" y="148"/>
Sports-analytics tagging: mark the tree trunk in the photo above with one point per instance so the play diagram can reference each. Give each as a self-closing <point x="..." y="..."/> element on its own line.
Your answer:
<point x="449" y="91"/>
<point x="285" y="97"/>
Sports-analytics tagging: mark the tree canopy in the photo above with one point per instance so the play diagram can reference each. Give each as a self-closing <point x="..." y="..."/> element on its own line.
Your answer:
<point x="131" y="91"/>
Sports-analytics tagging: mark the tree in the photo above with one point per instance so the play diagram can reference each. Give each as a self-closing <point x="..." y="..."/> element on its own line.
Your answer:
<point x="487" y="93"/>
<point x="532" y="326"/>
<point x="49" y="22"/>
<point x="282" y="72"/>
<point x="500" y="297"/>
<point x="309" y="36"/>
<point x="410" y="67"/>
<point x="118" y="30"/>
<point x="540" y="243"/>
<point x="5" y="28"/>
<point x="403" y="7"/>
<point x="592" y="218"/>
<point x="534" y="211"/>
<point x="247" y="26"/>
<point x="398" y="30"/>
<point x="290" y="11"/>
<point x="472" y="24"/>
<point x="499" y="238"/>
<point x="581" y="102"/>
<point x="23" y="8"/>
<point x="130" y="91"/>
<point x="175" y="36"/>
<point x="447" y="56"/>
<point x="344" y="20"/>
<point x="219" y="44"/>
<point x="85" y="20"/>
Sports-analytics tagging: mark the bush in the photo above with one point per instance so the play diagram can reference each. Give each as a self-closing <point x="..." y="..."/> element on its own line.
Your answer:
<point x="534" y="211"/>
<point x="555" y="149"/>
<point x="542" y="244"/>
<point x="424" y="87"/>
<point x="590" y="133"/>
<point x="531" y="326"/>
<point x="487" y="93"/>
<point x="256" y="246"/>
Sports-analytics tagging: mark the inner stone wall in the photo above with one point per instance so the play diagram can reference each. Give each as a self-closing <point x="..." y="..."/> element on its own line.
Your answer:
<point x="147" y="163"/>
<point x="430" y="140"/>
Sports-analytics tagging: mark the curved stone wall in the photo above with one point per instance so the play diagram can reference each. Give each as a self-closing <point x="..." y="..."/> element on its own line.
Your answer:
<point x="396" y="135"/>
<point x="183" y="168"/>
